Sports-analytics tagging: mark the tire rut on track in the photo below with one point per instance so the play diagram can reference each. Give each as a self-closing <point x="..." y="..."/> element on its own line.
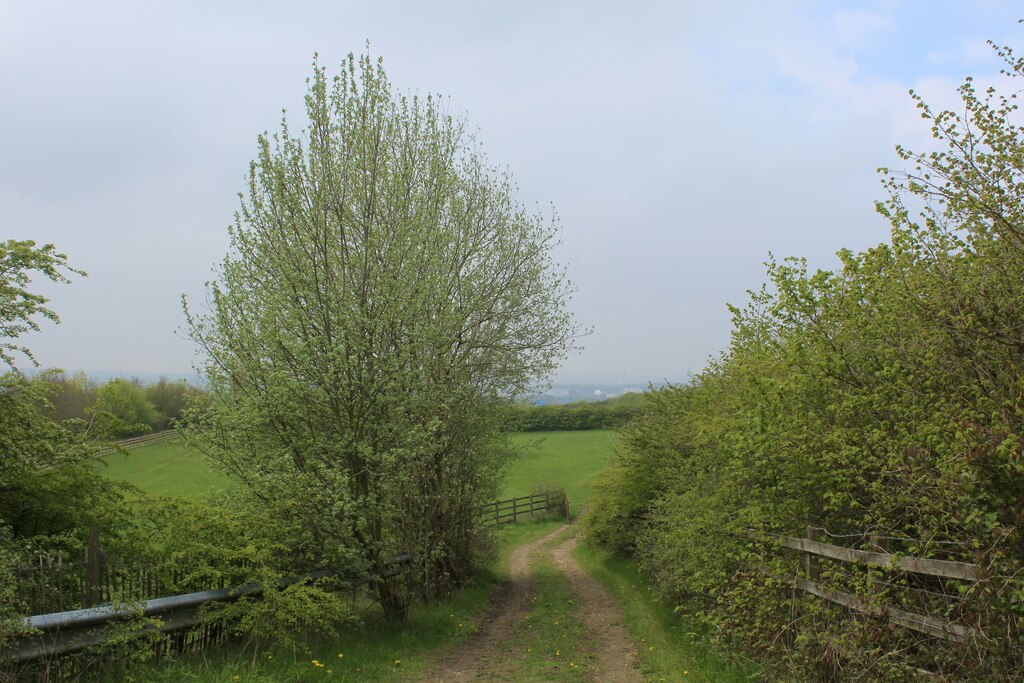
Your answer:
<point x="616" y="654"/>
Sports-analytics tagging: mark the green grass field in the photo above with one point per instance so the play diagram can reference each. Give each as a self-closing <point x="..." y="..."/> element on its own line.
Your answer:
<point x="566" y="460"/>
<point x="169" y="468"/>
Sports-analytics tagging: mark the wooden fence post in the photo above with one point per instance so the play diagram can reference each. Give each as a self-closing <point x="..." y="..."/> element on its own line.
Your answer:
<point x="810" y="564"/>
<point x="92" y="567"/>
<point x="876" y="580"/>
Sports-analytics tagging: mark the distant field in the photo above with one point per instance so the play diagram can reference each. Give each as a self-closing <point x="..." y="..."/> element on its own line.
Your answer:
<point x="168" y="468"/>
<point x="566" y="460"/>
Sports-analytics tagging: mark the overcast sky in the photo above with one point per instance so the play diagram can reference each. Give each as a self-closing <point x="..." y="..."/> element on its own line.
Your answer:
<point x="679" y="142"/>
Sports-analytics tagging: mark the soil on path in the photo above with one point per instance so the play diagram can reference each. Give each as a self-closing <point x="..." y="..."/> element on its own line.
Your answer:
<point x="616" y="656"/>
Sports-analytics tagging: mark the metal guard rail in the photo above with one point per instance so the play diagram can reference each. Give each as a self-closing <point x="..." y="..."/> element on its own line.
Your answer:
<point x="61" y="633"/>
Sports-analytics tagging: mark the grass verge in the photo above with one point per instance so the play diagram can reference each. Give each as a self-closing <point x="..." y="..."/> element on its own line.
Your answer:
<point x="671" y="648"/>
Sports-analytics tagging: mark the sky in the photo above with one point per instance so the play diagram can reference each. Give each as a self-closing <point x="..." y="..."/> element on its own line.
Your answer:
<point x="680" y="143"/>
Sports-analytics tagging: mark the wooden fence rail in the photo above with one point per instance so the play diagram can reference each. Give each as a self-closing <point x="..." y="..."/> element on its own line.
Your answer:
<point x="918" y="565"/>
<point x="868" y="605"/>
<point x="137" y="441"/>
<point x="510" y="510"/>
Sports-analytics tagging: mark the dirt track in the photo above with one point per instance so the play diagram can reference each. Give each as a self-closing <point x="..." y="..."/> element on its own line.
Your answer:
<point x="615" y="654"/>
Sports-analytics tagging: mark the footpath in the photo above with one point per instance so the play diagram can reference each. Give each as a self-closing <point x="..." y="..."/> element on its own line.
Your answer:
<point x="505" y="646"/>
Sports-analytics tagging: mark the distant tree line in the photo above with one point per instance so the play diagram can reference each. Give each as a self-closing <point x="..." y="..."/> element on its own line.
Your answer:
<point x="571" y="417"/>
<point x="118" y="408"/>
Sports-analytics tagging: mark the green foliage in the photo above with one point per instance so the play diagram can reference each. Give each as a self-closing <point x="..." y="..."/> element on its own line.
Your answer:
<point x="169" y="400"/>
<point x="283" y="616"/>
<point x="50" y="492"/>
<point x="122" y="410"/>
<point x="883" y="398"/>
<point x="70" y="404"/>
<point x="383" y="296"/>
<point x="128" y="407"/>
<point x="18" y="306"/>
<point x="367" y="651"/>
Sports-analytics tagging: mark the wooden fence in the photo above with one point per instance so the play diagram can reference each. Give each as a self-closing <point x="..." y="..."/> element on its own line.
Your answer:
<point x="137" y="441"/>
<point x="510" y="510"/>
<point x="917" y="584"/>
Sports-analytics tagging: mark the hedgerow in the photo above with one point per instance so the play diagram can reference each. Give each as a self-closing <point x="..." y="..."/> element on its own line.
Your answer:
<point x="883" y="399"/>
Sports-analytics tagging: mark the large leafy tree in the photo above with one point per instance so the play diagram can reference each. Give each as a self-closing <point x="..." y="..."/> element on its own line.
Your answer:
<point x="383" y="296"/>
